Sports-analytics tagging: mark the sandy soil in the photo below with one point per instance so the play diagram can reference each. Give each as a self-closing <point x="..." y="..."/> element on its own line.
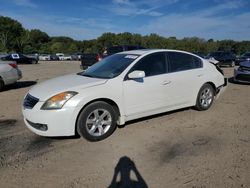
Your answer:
<point x="185" y="148"/>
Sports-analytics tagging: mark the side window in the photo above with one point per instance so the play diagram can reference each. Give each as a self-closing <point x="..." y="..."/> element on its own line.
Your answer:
<point x="180" y="61"/>
<point x="152" y="64"/>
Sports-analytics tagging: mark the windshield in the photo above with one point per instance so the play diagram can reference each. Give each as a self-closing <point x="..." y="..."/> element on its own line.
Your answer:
<point x="111" y="66"/>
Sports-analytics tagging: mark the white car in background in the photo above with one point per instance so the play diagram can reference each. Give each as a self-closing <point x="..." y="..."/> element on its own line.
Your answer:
<point x="63" y="57"/>
<point x="9" y="73"/>
<point x="120" y="88"/>
<point x="44" y="57"/>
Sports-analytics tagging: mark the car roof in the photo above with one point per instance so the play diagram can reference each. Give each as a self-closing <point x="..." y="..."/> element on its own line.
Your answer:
<point x="146" y="51"/>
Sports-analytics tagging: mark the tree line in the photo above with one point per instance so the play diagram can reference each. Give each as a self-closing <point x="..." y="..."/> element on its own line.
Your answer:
<point x="15" y="38"/>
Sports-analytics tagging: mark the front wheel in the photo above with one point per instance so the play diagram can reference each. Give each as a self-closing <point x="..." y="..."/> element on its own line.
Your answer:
<point x="97" y="121"/>
<point x="205" y="97"/>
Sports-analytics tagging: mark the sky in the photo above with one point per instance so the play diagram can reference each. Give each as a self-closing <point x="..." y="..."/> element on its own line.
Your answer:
<point x="84" y="20"/>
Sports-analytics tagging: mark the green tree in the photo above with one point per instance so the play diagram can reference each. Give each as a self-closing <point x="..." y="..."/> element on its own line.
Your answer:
<point x="11" y="32"/>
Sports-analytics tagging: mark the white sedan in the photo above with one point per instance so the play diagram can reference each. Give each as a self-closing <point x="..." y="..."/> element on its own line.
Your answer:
<point x="9" y="73"/>
<point x="120" y="88"/>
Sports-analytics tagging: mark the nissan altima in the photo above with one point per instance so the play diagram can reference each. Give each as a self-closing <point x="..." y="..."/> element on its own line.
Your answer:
<point x="122" y="87"/>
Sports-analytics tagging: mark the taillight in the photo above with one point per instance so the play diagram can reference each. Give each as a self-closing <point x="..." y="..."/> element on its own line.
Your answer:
<point x="13" y="65"/>
<point x="98" y="57"/>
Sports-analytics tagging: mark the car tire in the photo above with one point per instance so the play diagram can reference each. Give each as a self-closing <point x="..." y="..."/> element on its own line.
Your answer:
<point x="97" y="121"/>
<point x="1" y="84"/>
<point x="205" y="97"/>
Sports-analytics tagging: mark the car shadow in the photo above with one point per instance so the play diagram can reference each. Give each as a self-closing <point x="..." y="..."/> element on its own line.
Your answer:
<point x="122" y="175"/>
<point x="231" y="80"/>
<point x="20" y="85"/>
<point x="154" y="116"/>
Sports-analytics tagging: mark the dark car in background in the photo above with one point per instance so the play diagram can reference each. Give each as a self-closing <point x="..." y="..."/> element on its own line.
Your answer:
<point x="20" y="59"/>
<point x="54" y="57"/>
<point x="244" y="57"/>
<point x="242" y="74"/>
<point x="89" y="59"/>
<point x="225" y="58"/>
<point x="116" y="49"/>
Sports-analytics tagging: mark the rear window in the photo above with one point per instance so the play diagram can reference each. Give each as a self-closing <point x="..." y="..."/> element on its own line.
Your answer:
<point x="181" y="61"/>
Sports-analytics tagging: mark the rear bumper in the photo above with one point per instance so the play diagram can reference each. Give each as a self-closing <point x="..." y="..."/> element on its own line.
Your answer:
<point x="222" y="88"/>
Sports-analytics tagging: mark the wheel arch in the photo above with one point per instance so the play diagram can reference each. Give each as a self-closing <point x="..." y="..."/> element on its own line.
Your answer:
<point x="213" y="85"/>
<point x="107" y="100"/>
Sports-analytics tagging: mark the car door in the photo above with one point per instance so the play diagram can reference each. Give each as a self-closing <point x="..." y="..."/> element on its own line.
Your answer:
<point x="146" y="94"/>
<point x="186" y="76"/>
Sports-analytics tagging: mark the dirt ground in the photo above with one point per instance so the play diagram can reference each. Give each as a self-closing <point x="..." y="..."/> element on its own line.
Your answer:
<point x="185" y="148"/>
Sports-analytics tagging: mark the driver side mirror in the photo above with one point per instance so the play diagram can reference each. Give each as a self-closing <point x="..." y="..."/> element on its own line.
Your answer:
<point x="136" y="75"/>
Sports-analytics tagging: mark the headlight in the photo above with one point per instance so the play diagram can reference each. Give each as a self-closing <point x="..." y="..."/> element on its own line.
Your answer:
<point x="57" y="101"/>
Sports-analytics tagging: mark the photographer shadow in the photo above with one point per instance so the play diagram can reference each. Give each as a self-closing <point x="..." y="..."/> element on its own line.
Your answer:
<point x="124" y="168"/>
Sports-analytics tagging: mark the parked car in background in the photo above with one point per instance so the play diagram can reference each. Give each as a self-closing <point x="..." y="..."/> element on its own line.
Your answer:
<point x="224" y="58"/>
<point x="88" y="59"/>
<point x="121" y="48"/>
<point x="54" y="57"/>
<point x="120" y="88"/>
<point x="20" y="59"/>
<point x="63" y="57"/>
<point x="244" y="57"/>
<point x="34" y="56"/>
<point x="9" y="73"/>
<point x="242" y="74"/>
<point x="44" y="57"/>
<point x="77" y="56"/>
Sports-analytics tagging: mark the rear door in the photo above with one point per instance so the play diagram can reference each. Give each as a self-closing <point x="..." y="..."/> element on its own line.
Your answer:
<point x="186" y="75"/>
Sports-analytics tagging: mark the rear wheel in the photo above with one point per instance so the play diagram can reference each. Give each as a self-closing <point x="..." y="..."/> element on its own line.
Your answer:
<point x="97" y="121"/>
<point x="205" y="97"/>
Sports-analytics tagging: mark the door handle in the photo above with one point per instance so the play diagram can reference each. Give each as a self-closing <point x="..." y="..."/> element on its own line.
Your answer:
<point x="199" y="75"/>
<point x="166" y="82"/>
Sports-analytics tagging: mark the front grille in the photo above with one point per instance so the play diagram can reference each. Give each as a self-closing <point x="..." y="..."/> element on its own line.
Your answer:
<point x="243" y="77"/>
<point x="30" y="101"/>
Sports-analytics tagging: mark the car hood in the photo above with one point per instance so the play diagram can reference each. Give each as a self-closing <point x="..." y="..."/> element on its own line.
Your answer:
<point x="74" y="82"/>
<point x="245" y="64"/>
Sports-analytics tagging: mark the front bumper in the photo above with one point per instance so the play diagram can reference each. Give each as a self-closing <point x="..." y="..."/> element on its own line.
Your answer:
<point x="51" y="122"/>
<point x="241" y="76"/>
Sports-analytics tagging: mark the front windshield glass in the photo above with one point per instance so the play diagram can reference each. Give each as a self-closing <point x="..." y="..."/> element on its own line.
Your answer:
<point x="111" y="66"/>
